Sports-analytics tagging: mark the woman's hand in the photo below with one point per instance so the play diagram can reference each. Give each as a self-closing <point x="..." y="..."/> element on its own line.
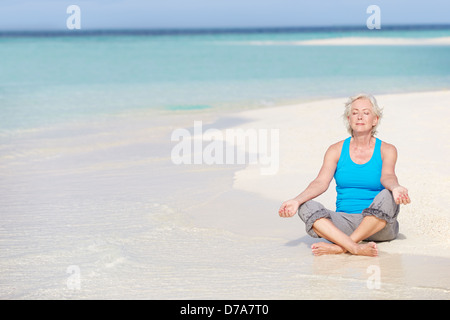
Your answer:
<point x="288" y="208"/>
<point x="400" y="195"/>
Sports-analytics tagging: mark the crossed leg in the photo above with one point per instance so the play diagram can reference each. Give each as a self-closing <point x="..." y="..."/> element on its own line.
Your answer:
<point x="319" y="223"/>
<point x="344" y="243"/>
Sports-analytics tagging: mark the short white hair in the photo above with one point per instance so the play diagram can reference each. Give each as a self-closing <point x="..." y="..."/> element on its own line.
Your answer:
<point x="375" y="109"/>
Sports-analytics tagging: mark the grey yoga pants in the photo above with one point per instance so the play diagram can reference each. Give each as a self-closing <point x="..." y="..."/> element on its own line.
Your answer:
<point x="382" y="207"/>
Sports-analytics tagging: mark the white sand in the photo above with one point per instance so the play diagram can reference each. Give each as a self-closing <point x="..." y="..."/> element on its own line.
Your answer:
<point x="360" y="41"/>
<point x="415" y="265"/>
<point x="416" y="123"/>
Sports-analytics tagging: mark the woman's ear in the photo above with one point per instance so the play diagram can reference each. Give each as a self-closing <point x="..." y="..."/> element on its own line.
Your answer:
<point x="375" y="121"/>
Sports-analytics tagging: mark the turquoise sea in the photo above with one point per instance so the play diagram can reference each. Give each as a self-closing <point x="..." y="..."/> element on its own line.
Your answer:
<point x="47" y="78"/>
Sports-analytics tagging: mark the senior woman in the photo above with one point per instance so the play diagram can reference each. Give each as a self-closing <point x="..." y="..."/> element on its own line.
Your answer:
<point x="368" y="192"/>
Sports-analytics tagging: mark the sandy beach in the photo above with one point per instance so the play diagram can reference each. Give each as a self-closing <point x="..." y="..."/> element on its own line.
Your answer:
<point x="361" y="41"/>
<point x="413" y="122"/>
<point x="99" y="210"/>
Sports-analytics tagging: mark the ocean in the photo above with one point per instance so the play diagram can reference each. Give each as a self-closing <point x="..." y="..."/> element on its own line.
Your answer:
<point x="91" y="205"/>
<point x="47" y="78"/>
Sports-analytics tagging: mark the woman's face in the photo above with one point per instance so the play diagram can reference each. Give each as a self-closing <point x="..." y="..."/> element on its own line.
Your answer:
<point x="362" y="118"/>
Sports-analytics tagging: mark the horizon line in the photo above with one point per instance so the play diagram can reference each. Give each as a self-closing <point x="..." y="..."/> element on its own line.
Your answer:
<point x="212" y="30"/>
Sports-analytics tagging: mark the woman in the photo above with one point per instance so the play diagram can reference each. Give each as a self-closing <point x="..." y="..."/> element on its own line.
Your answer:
<point x="368" y="192"/>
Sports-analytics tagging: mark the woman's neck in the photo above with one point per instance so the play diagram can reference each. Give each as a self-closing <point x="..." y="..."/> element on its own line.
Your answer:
<point x="363" y="140"/>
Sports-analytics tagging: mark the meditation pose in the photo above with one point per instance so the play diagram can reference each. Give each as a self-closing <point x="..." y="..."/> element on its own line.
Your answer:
<point x="368" y="192"/>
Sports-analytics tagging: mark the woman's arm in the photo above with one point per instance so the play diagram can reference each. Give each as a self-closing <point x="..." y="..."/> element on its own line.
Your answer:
<point x="389" y="178"/>
<point x="318" y="186"/>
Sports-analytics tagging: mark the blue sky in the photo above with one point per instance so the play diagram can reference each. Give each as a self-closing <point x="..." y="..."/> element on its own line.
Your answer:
<point x="128" y="14"/>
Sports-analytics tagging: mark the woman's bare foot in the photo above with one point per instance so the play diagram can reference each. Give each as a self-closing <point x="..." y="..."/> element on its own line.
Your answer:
<point x="366" y="249"/>
<point x="322" y="248"/>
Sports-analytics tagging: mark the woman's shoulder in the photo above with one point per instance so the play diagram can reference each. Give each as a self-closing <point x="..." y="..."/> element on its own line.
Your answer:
<point x="387" y="149"/>
<point x="337" y="146"/>
<point x="335" y="149"/>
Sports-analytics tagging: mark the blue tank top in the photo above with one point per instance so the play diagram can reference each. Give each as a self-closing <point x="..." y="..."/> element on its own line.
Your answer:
<point x="357" y="184"/>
